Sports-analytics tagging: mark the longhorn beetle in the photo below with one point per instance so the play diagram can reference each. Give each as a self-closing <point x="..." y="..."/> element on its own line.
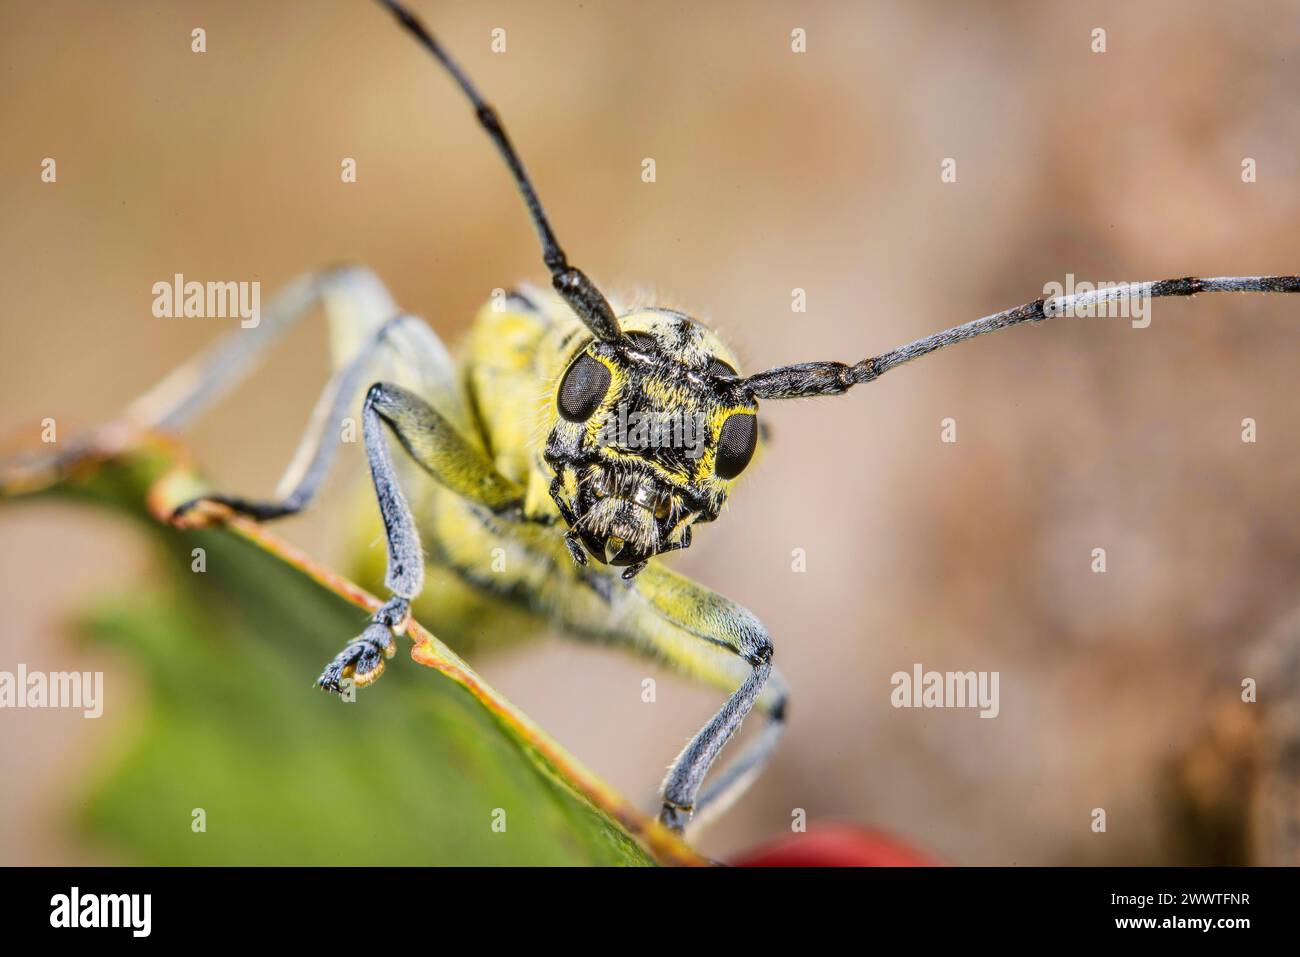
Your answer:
<point x="526" y="446"/>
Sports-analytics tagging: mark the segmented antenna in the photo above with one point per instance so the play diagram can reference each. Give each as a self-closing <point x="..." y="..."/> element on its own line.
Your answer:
<point x="569" y="281"/>
<point x="835" y="378"/>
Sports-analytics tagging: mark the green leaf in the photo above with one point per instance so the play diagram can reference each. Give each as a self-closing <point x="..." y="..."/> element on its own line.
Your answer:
<point x="416" y="771"/>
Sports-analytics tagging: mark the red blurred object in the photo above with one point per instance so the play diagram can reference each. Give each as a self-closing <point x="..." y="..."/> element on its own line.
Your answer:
<point x="836" y="845"/>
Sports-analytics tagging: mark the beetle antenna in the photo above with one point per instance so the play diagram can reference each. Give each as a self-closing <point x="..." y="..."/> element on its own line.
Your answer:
<point x="569" y="281"/>
<point x="836" y="378"/>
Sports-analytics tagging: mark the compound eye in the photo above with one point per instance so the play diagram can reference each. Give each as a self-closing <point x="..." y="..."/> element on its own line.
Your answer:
<point x="720" y="370"/>
<point x="582" y="388"/>
<point x="736" y="444"/>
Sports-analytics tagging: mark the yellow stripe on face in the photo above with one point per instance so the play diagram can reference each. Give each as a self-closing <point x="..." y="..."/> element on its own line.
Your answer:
<point x="705" y="469"/>
<point x="613" y="395"/>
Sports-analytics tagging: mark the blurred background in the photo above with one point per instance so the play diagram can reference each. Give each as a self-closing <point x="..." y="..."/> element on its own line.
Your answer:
<point x="775" y="171"/>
